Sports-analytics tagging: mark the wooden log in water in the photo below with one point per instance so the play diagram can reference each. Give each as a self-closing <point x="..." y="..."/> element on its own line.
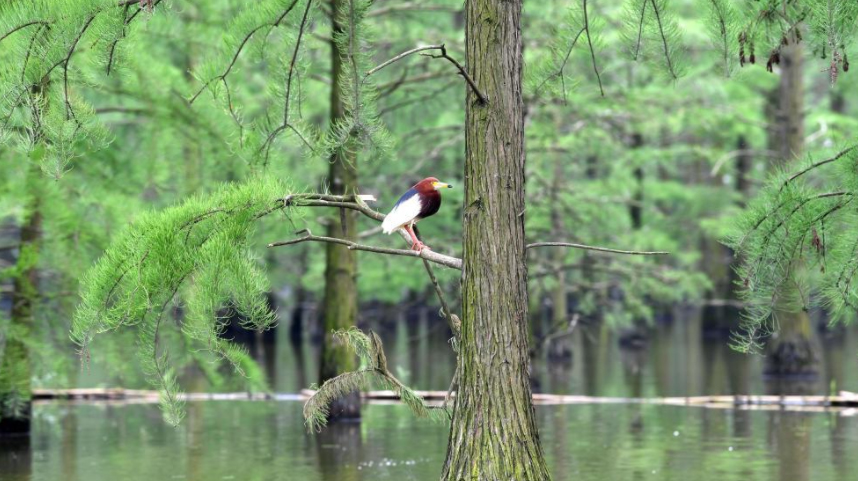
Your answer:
<point x="844" y="400"/>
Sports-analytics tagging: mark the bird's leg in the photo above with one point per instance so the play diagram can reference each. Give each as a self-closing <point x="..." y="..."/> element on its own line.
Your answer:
<point x="415" y="242"/>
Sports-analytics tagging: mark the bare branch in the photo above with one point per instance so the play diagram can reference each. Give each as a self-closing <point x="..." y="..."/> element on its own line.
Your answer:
<point x="443" y="49"/>
<point x="412" y="6"/>
<point x="402" y="56"/>
<point x="455" y="323"/>
<point x="426" y="254"/>
<point x="598" y="249"/>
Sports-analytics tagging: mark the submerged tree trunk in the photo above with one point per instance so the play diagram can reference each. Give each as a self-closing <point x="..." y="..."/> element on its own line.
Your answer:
<point x="493" y="434"/>
<point x="340" y="301"/>
<point x="791" y="352"/>
<point x="15" y="376"/>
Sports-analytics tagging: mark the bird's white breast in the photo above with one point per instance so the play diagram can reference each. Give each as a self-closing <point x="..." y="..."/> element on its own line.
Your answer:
<point x="403" y="213"/>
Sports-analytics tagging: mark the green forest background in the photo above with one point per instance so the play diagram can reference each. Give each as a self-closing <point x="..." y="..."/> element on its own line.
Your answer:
<point x="125" y="111"/>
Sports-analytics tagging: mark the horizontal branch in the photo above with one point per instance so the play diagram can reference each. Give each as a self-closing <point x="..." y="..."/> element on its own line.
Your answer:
<point x="595" y="248"/>
<point x="426" y="254"/>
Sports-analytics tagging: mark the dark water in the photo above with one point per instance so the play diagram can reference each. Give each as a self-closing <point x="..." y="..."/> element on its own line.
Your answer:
<point x="243" y="440"/>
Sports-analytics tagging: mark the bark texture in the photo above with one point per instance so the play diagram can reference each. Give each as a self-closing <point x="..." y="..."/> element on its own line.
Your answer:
<point x="493" y="436"/>
<point x="791" y="352"/>
<point x="340" y="301"/>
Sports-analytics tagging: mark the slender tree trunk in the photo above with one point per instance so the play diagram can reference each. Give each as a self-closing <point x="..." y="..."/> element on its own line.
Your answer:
<point x="636" y="208"/>
<point x="791" y="351"/>
<point x="493" y="434"/>
<point x="15" y="376"/>
<point x="340" y="301"/>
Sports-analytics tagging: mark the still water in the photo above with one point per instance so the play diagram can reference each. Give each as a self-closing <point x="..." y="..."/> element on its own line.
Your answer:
<point x="242" y="440"/>
<point x="265" y="441"/>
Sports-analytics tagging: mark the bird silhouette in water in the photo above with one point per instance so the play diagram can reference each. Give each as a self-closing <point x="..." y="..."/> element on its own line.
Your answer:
<point x="418" y="203"/>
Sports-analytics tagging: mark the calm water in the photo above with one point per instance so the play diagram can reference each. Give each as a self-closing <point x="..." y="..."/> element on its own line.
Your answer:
<point x="266" y="440"/>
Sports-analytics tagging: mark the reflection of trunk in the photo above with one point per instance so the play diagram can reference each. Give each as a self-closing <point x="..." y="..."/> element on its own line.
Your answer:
<point x="493" y="433"/>
<point x="339" y="452"/>
<point x="15" y="407"/>
<point x="792" y="435"/>
<point x="340" y="302"/>
<point x="790" y="351"/>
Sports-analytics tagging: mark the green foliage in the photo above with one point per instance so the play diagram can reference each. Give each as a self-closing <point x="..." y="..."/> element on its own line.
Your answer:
<point x="551" y="75"/>
<point x="722" y="24"/>
<point x="373" y="371"/>
<point x="201" y="250"/>
<point x="361" y="127"/>
<point x="652" y="32"/>
<point x="797" y="245"/>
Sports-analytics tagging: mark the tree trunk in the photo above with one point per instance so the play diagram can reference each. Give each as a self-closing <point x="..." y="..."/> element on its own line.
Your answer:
<point x="493" y="434"/>
<point x="791" y="352"/>
<point x="15" y="405"/>
<point x="340" y="301"/>
<point x="636" y="207"/>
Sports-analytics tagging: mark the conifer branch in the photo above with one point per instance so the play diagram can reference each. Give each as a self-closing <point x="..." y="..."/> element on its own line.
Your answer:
<point x="23" y="26"/>
<point x="663" y="36"/>
<point x="222" y="76"/>
<point x="266" y="146"/>
<point x="592" y="51"/>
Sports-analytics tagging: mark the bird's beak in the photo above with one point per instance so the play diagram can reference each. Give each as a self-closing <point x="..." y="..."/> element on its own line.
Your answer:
<point x="441" y="185"/>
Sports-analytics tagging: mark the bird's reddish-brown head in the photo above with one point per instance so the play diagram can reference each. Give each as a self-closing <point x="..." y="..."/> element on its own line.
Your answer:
<point x="430" y="184"/>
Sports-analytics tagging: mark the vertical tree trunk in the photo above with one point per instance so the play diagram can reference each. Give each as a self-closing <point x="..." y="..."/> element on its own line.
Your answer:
<point x="15" y="406"/>
<point x="636" y="208"/>
<point x="791" y="352"/>
<point x="493" y="434"/>
<point x="340" y="301"/>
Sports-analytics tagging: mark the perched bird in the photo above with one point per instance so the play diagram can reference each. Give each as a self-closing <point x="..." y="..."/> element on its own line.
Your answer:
<point x="418" y="203"/>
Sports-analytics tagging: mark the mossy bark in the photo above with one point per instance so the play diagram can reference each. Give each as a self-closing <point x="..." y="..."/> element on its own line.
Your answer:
<point x="340" y="301"/>
<point x="15" y="376"/>
<point x="493" y="435"/>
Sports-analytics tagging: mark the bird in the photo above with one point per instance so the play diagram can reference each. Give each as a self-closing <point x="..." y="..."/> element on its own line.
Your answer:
<point x="419" y="202"/>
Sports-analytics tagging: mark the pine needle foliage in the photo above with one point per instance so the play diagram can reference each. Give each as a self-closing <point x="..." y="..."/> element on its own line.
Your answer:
<point x="579" y="32"/>
<point x="722" y="24"/>
<point x="46" y="46"/>
<point x="797" y="242"/>
<point x="373" y="371"/>
<point x="200" y="252"/>
<point x="360" y="128"/>
<point x="652" y="33"/>
<point x="273" y="34"/>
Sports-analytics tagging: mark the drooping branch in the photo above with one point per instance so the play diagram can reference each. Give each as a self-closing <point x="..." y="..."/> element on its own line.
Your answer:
<point x="443" y="49"/>
<point x="266" y="146"/>
<point x="592" y="51"/>
<point x="595" y="248"/>
<point x="23" y="26"/>
<point x="222" y="76"/>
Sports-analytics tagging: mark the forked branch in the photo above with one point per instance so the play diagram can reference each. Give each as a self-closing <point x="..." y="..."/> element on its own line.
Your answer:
<point x="443" y="49"/>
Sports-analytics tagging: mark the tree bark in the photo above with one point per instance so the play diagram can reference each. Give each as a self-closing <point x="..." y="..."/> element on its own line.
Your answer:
<point x="790" y="352"/>
<point x="493" y="434"/>
<point x="340" y="300"/>
<point x="15" y="376"/>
